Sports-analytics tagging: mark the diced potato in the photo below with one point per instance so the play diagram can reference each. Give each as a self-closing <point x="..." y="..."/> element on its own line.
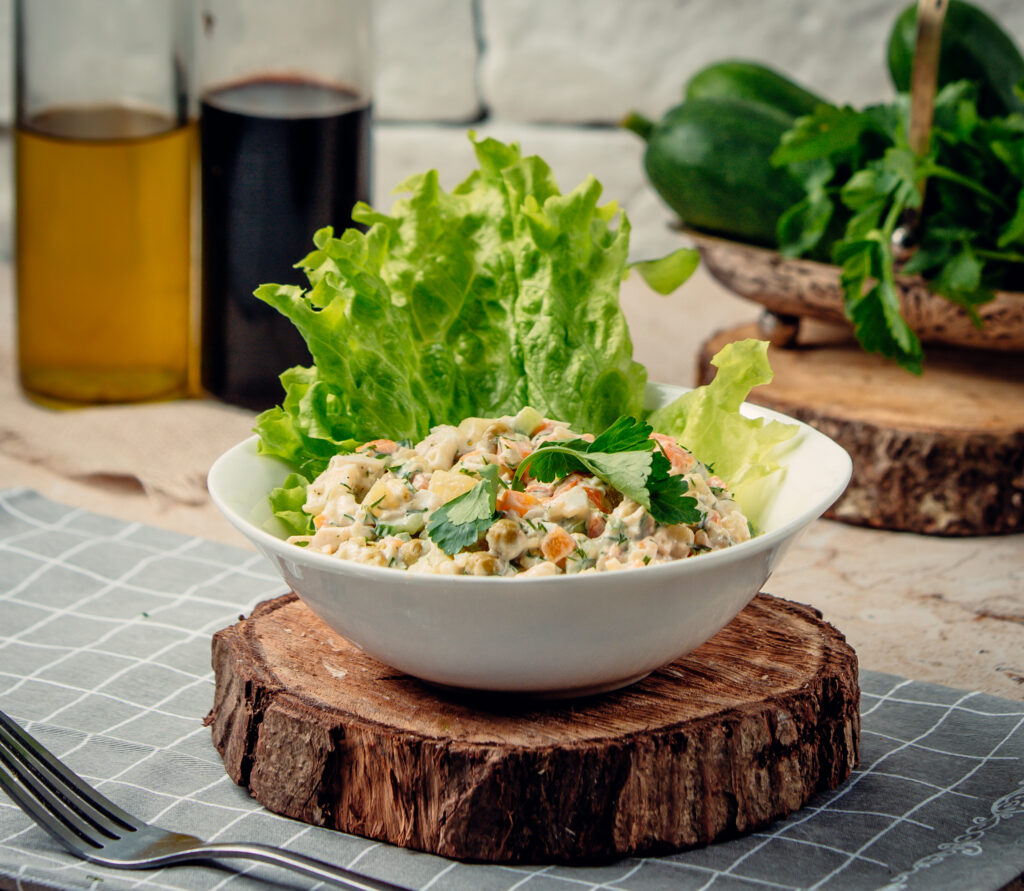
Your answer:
<point x="388" y="493"/>
<point x="448" y="485"/>
<point x="472" y="430"/>
<point x="570" y="504"/>
<point x="352" y="474"/>
<point x="437" y="451"/>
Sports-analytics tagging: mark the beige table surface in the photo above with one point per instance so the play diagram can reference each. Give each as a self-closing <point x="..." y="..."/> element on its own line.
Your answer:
<point x="944" y="610"/>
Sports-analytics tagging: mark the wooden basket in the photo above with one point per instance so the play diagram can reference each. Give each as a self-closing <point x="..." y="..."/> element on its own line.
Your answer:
<point x="809" y="289"/>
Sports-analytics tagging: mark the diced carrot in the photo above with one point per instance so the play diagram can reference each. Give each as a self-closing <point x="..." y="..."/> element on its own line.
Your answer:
<point x="380" y="446"/>
<point x="540" y="491"/>
<point x="319" y="520"/>
<point x="519" y="502"/>
<point x="596" y="496"/>
<point x="680" y="459"/>
<point x="557" y="545"/>
<point x="569" y="482"/>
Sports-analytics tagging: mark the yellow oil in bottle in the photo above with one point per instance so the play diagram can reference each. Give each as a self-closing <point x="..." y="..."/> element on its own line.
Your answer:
<point x="103" y="254"/>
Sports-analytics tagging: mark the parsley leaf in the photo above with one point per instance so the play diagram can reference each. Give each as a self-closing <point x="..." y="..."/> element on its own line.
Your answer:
<point x="460" y="522"/>
<point x="623" y="457"/>
<point x="669" y="502"/>
<point x="623" y="435"/>
<point x="802" y="227"/>
<point x="872" y="301"/>
<point x="492" y="473"/>
<point x="828" y="132"/>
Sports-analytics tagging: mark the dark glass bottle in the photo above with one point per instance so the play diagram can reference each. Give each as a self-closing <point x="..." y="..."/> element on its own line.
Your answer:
<point x="285" y="149"/>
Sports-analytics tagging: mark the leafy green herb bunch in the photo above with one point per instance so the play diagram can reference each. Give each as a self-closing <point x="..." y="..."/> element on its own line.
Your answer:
<point x="962" y="203"/>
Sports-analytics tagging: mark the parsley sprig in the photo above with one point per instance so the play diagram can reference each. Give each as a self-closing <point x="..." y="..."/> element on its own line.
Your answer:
<point x="460" y="522"/>
<point x="862" y="180"/>
<point x="625" y="458"/>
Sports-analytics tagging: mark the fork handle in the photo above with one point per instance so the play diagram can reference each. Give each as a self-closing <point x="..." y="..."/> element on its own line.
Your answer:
<point x="299" y="863"/>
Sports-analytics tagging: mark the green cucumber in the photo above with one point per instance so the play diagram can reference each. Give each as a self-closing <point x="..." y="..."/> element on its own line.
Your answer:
<point x="752" y="82"/>
<point x="973" y="48"/>
<point x="709" y="160"/>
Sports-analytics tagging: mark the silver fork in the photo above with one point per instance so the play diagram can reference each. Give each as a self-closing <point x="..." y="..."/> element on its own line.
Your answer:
<point x="92" y="827"/>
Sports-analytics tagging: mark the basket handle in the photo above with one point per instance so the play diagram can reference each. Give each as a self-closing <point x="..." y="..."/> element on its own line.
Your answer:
<point x="923" y="84"/>
<point x="925" y="76"/>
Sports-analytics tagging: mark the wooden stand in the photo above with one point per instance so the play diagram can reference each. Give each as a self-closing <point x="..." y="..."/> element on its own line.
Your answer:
<point x="739" y="733"/>
<point x="941" y="454"/>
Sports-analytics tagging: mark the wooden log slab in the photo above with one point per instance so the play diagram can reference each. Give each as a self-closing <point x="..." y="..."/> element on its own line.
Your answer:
<point x="739" y="733"/>
<point x="940" y="454"/>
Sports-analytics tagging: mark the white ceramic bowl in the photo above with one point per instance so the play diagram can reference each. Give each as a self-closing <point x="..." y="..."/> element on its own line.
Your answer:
<point x="555" y="636"/>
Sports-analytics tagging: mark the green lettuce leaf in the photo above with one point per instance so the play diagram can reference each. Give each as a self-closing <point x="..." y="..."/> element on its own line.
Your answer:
<point x="667" y="273"/>
<point x="299" y="430"/>
<point x="287" y="500"/>
<point x="743" y="451"/>
<point x="499" y="294"/>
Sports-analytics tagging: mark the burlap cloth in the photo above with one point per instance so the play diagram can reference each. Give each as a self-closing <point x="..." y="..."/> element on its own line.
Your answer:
<point x="120" y="458"/>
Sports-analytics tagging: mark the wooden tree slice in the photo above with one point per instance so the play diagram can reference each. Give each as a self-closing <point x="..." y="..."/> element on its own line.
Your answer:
<point x="737" y="734"/>
<point x="939" y="454"/>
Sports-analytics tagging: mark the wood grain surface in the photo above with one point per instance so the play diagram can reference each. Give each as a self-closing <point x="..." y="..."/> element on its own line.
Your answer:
<point x="737" y="734"/>
<point x="942" y="453"/>
<point x="810" y="289"/>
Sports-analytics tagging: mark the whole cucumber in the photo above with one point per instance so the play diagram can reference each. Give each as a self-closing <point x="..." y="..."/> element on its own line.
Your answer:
<point x="973" y="48"/>
<point x="709" y="160"/>
<point x="753" y="82"/>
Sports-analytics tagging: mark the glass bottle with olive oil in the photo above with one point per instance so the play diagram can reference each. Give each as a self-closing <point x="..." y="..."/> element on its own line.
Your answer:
<point x="105" y="151"/>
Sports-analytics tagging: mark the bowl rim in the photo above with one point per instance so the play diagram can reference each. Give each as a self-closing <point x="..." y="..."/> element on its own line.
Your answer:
<point x="371" y="573"/>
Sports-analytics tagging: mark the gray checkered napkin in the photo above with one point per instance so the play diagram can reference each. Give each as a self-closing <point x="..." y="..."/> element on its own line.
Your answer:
<point x="104" y="655"/>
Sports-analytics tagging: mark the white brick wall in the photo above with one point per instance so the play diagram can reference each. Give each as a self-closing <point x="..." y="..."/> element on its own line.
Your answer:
<point x="545" y="71"/>
<point x="584" y="61"/>
<point x="6" y="61"/>
<point x="426" y="53"/>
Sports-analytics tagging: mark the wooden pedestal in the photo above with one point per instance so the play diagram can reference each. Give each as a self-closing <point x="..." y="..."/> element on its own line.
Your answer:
<point x="739" y="733"/>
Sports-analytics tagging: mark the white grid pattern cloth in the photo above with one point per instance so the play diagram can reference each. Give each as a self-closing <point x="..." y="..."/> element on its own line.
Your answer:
<point x="105" y="633"/>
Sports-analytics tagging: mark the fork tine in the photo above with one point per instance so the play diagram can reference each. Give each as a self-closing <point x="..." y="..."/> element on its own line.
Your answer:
<point x="42" y="815"/>
<point x="49" y="798"/>
<point x="92" y="805"/>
